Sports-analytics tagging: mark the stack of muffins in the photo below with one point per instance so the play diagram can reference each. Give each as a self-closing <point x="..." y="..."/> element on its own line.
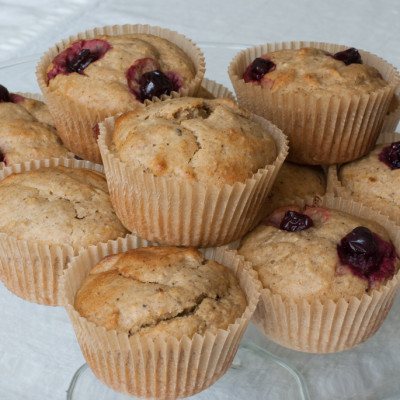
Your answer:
<point x="189" y="213"/>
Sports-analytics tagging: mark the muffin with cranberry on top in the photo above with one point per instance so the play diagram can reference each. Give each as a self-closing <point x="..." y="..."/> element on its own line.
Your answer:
<point x="330" y="100"/>
<point x="329" y="272"/>
<point x="26" y="130"/>
<point x="111" y="70"/>
<point x="373" y="179"/>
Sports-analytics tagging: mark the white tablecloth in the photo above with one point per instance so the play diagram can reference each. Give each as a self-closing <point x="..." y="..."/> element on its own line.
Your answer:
<point x="38" y="350"/>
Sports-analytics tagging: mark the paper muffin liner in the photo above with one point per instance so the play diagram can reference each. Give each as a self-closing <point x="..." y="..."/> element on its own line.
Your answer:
<point x="159" y="369"/>
<point x="32" y="270"/>
<point x="336" y="187"/>
<point x="173" y="211"/>
<point x="77" y="125"/>
<point x="322" y="129"/>
<point x="323" y="325"/>
<point x="392" y="118"/>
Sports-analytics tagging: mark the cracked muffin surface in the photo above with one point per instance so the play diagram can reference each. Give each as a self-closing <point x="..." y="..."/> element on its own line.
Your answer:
<point x="212" y="141"/>
<point x="27" y="131"/>
<point x="161" y="292"/>
<point x="58" y="205"/>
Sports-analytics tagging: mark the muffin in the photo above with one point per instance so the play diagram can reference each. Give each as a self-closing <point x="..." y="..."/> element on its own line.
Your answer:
<point x="173" y="317"/>
<point x="26" y="130"/>
<point x="111" y="70"/>
<point x="293" y="181"/>
<point x="50" y="210"/>
<point x="329" y="273"/>
<point x="198" y="170"/>
<point x="330" y="100"/>
<point x="373" y="179"/>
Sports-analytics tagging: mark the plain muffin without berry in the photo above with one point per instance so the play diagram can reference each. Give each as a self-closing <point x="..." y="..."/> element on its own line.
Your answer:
<point x="198" y="169"/>
<point x="159" y="322"/>
<point x="26" y="130"/>
<point x="48" y="214"/>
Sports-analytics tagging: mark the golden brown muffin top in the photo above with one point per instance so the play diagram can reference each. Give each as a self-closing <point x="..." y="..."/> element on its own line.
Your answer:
<point x="59" y="205"/>
<point x="311" y="70"/>
<point x="104" y="83"/>
<point x="305" y="264"/>
<point x="27" y="133"/>
<point x="211" y="141"/>
<point x="160" y="292"/>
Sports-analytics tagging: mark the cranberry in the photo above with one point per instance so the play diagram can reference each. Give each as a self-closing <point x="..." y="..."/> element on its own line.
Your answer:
<point x="349" y="56"/>
<point x="145" y="80"/>
<point x="78" y="56"/>
<point x="390" y="155"/>
<point x="2" y="158"/>
<point x="367" y="254"/>
<point x="257" y="69"/>
<point x="4" y="94"/>
<point x="154" y="83"/>
<point x="294" y="222"/>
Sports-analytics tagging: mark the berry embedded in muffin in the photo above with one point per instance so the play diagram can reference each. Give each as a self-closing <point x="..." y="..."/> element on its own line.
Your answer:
<point x="317" y="252"/>
<point x="316" y="70"/>
<point x="390" y="155"/>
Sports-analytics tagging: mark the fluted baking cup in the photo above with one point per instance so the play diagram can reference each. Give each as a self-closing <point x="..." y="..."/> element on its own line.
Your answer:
<point x="392" y="118"/>
<point x="327" y="326"/>
<point x="322" y="129"/>
<point x="173" y="211"/>
<point x="156" y="368"/>
<point x="77" y="122"/>
<point x="32" y="270"/>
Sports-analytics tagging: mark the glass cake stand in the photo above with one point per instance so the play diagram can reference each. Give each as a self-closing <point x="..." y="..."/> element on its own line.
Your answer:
<point x="263" y="369"/>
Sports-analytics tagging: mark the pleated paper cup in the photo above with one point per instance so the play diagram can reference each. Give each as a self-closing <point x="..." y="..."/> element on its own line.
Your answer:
<point x="172" y="211"/>
<point x="392" y="118"/>
<point x="327" y="326"/>
<point x="322" y="129"/>
<point x="378" y="203"/>
<point x="77" y="122"/>
<point x="156" y="368"/>
<point x="30" y="269"/>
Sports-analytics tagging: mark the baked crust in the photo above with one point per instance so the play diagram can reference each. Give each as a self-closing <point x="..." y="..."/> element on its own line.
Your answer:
<point x="161" y="292"/>
<point x="211" y="141"/>
<point x="59" y="205"/>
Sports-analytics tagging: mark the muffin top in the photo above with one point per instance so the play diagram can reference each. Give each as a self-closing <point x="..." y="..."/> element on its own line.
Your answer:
<point x="375" y="178"/>
<point x="26" y="130"/>
<point x="319" y="253"/>
<point x="58" y="205"/>
<point x="311" y="70"/>
<point x="210" y="141"/>
<point x="295" y="180"/>
<point x="160" y="292"/>
<point x="119" y="72"/>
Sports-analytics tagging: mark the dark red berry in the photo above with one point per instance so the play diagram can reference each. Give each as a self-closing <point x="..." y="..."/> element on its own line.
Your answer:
<point x="349" y="56"/>
<point x="154" y="83"/>
<point x="78" y="56"/>
<point x="257" y="69"/>
<point x="360" y="250"/>
<point x="390" y="155"/>
<point x="146" y="80"/>
<point x="4" y="94"/>
<point x="294" y="222"/>
<point x="81" y="61"/>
